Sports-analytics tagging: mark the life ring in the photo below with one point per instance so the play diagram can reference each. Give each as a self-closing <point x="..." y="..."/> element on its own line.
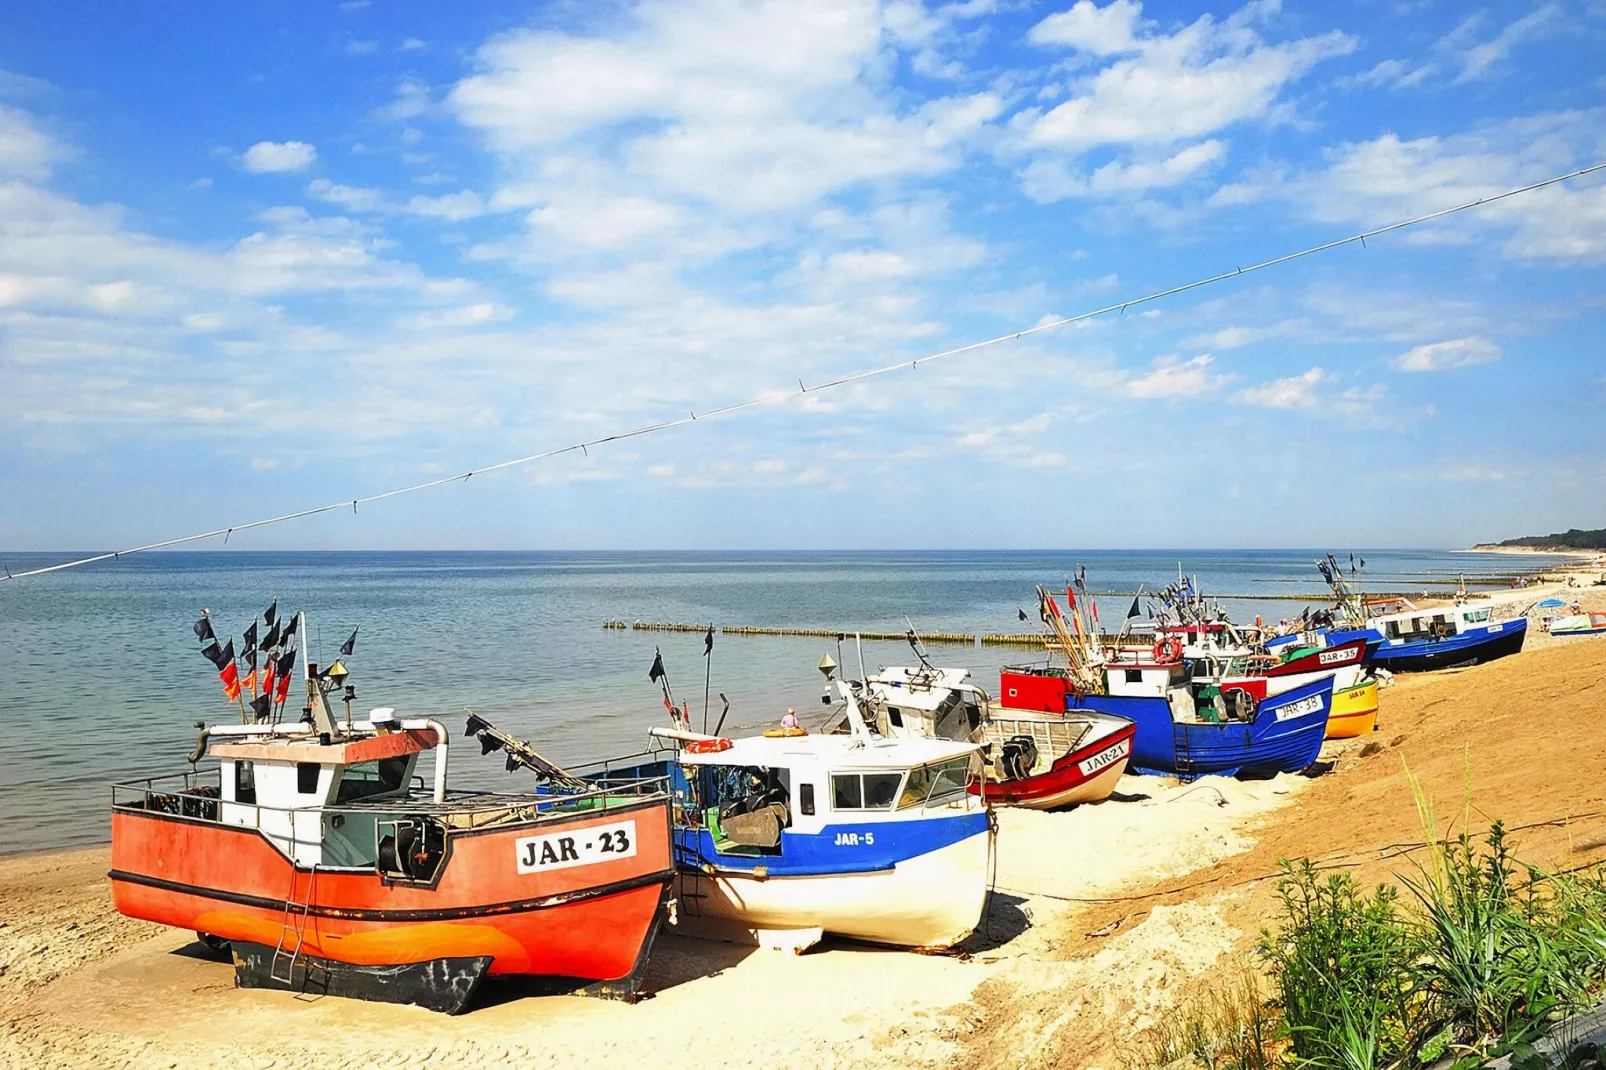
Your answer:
<point x="708" y="746"/>
<point x="1167" y="650"/>
<point x="785" y="733"/>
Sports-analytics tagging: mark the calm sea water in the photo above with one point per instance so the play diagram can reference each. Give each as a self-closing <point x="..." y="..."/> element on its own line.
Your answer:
<point x="101" y="679"/>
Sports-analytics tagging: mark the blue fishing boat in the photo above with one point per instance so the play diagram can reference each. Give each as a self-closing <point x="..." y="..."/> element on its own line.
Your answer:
<point x="1420" y="639"/>
<point x="1188" y="725"/>
<point x="1189" y="728"/>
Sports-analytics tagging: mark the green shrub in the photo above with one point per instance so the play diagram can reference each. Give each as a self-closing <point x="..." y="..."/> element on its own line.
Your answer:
<point x="1340" y="966"/>
<point x="1483" y="955"/>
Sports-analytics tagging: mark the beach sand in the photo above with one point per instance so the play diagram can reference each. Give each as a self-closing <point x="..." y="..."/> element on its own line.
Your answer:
<point x="1106" y="917"/>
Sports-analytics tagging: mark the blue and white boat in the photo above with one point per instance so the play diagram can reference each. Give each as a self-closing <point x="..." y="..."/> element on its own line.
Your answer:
<point x="1188" y="728"/>
<point x="784" y="837"/>
<point x="1420" y="639"/>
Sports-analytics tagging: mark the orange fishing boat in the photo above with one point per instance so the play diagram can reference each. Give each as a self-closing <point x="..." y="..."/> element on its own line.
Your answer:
<point x="313" y="853"/>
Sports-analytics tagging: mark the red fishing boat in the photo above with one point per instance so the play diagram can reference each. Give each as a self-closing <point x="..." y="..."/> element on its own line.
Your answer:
<point x="312" y="855"/>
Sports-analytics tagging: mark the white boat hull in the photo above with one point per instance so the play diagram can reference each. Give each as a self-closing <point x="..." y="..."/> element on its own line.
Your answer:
<point x="932" y="901"/>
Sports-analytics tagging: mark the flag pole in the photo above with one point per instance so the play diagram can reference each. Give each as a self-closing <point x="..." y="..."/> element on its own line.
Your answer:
<point x="239" y="692"/>
<point x="708" y="673"/>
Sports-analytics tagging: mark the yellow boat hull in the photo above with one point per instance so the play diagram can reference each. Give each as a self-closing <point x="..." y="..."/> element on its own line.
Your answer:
<point x="1354" y="711"/>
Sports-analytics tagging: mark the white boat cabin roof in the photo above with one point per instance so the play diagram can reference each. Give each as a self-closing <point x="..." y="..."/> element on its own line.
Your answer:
<point x="1462" y="614"/>
<point x="834" y="751"/>
<point x="922" y="688"/>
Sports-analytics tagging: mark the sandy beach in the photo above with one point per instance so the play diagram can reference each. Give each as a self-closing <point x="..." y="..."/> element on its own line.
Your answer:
<point x="1105" y="918"/>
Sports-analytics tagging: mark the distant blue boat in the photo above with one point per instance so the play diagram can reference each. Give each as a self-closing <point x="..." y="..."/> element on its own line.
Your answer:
<point x="1423" y="639"/>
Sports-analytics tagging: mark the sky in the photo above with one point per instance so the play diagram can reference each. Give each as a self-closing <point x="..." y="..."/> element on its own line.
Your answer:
<point x="256" y="257"/>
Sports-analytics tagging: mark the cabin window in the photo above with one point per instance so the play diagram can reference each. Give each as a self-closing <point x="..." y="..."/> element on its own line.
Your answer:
<point x="1134" y="676"/>
<point x="367" y="779"/>
<point x="805" y="798"/>
<point x="1476" y="616"/>
<point x="307" y="777"/>
<point x="916" y="786"/>
<point x="245" y="782"/>
<point x="864" y="791"/>
<point x="895" y="716"/>
<point x="949" y="777"/>
<point x="880" y="789"/>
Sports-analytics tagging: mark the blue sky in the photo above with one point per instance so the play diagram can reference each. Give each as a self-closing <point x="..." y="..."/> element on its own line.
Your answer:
<point x="258" y="257"/>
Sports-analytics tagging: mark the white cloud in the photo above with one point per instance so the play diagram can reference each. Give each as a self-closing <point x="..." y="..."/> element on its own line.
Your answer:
<point x="351" y="198"/>
<point x="1295" y="392"/>
<point x="453" y="207"/>
<point x="1389" y="178"/>
<point x="1174" y="378"/>
<point x="274" y="157"/>
<point x="757" y="108"/>
<point x="411" y="44"/>
<point x="1052" y="178"/>
<point x="1086" y="27"/>
<point x="1462" y="54"/>
<point x="1204" y="77"/>
<point x="475" y="315"/>
<point x="1443" y="356"/>
<point x="1478" y="60"/>
<point x="25" y="150"/>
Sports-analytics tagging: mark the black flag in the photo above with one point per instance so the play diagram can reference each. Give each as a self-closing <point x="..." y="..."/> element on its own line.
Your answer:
<point x="271" y="614"/>
<point x="656" y="673"/>
<point x="349" y="645"/>
<point x="260" y="704"/>
<point x="1134" y="611"/>
<point x="203" y="629"/>
<point x="1021" y="611"/>
<point x="1363" y="562"/>
<point x="708" y="642"/>
<point x="271" y="640"/>
<point x="251" y="640"/>
<point x="289" y="631"/>
<point x="215" y="655"/>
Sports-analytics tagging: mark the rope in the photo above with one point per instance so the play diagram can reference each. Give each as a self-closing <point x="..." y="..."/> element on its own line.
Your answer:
<point x="769" y="399"/>
<point x="1341" y="860"/>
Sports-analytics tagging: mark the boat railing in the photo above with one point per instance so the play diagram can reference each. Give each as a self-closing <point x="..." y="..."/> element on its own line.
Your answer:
<point x="188" y="795"/>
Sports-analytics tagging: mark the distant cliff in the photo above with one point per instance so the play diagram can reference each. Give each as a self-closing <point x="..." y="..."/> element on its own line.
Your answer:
<point x="1572" y="539"/>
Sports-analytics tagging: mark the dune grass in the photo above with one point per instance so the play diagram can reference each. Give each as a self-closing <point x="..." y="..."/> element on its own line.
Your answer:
<point x="1476" y="957"/>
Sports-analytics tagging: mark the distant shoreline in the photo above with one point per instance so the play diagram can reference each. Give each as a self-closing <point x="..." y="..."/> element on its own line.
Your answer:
<point x="1543" y="551"/>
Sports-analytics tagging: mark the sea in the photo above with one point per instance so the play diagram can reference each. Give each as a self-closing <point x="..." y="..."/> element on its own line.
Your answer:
<point x="102" y="680"/>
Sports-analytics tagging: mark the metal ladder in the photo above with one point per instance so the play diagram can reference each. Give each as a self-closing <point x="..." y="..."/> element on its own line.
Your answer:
<point x="1179" y="745"/>
<point x="295" y="922"/>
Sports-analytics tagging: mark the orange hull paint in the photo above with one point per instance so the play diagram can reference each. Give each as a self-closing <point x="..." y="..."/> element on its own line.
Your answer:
<point x="586" y="921"/>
